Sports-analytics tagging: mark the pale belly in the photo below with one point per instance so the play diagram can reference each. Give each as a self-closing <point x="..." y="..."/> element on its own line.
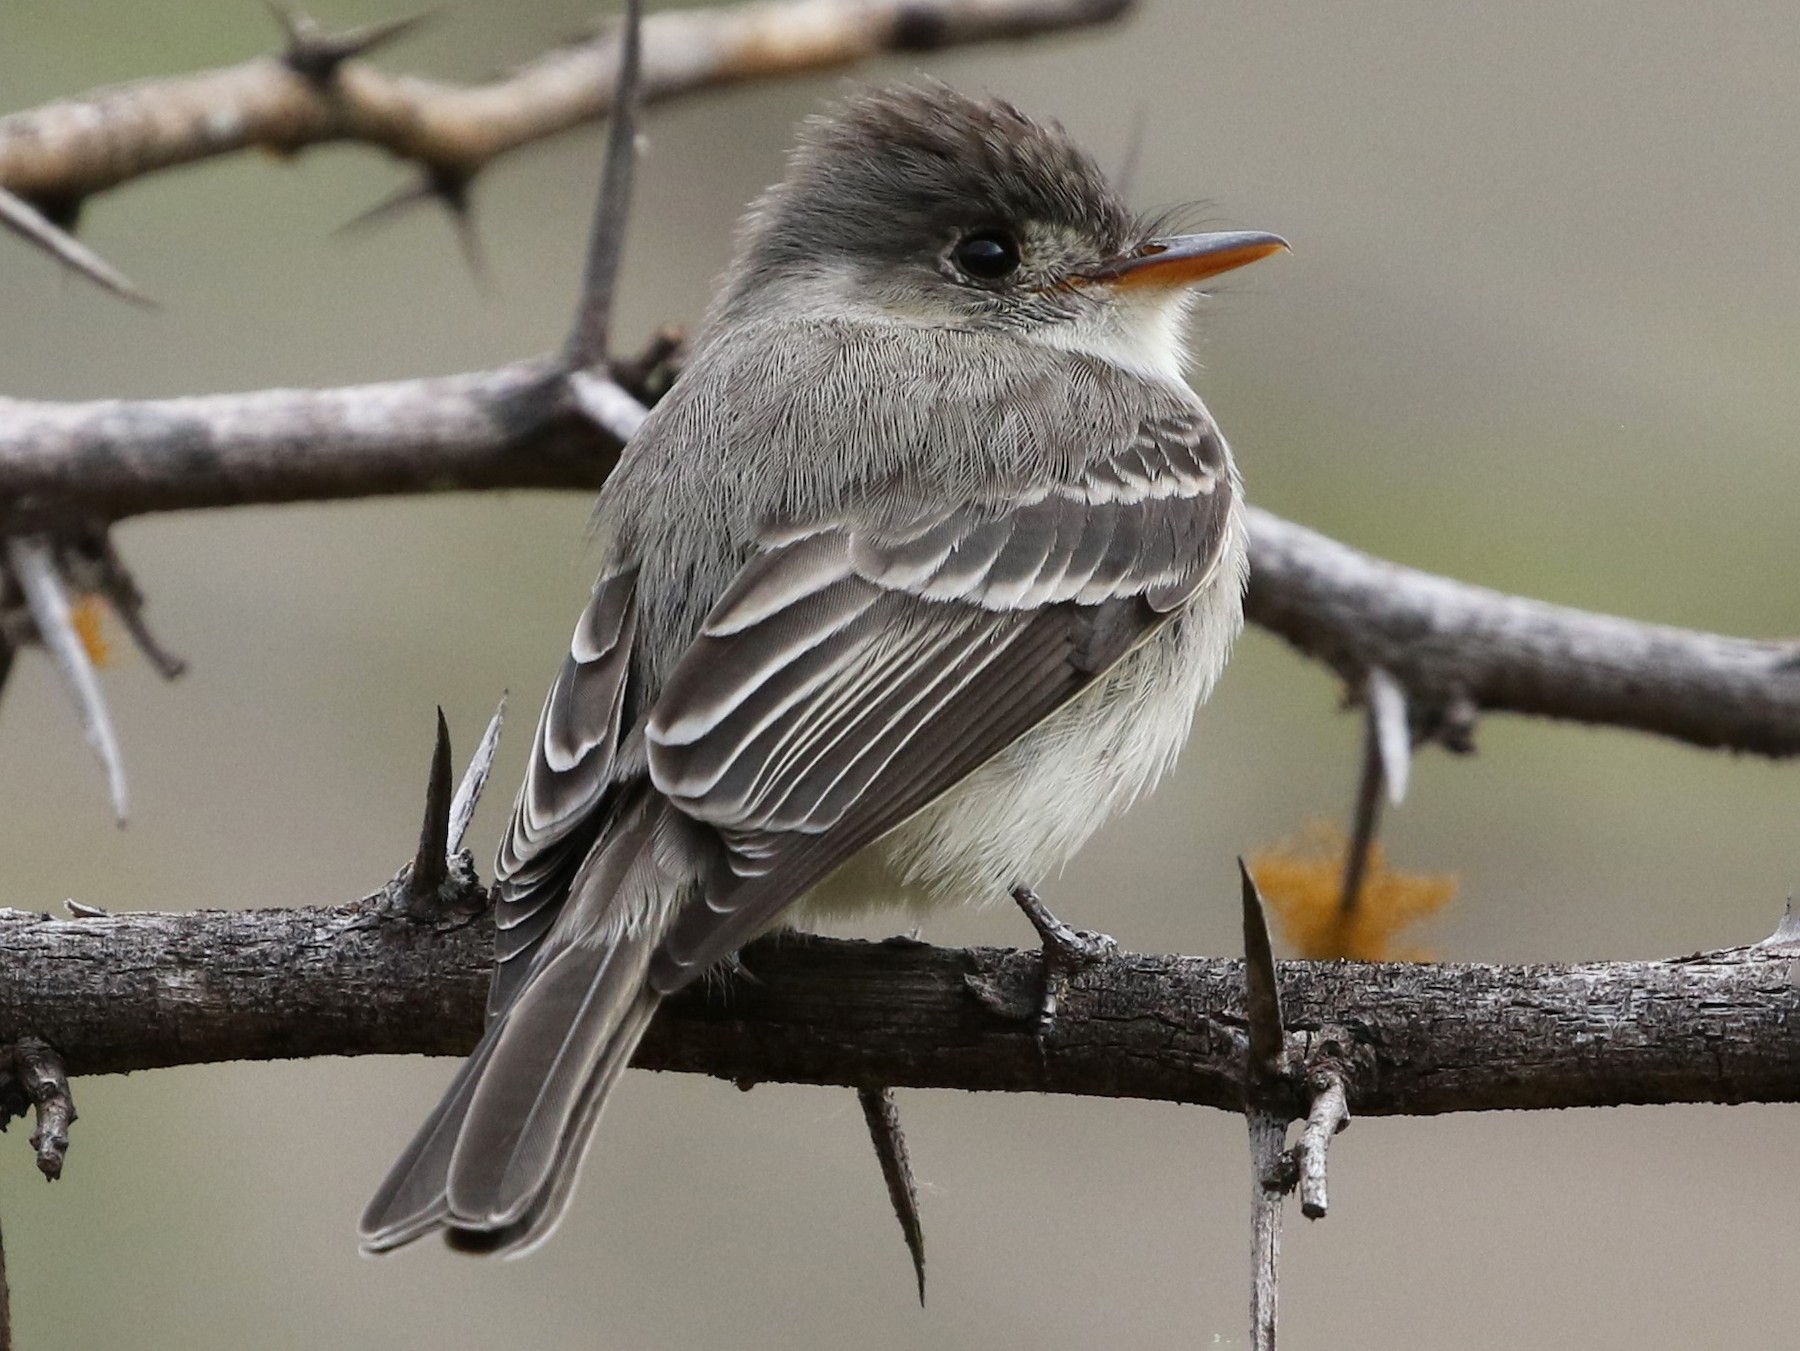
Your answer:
<point x="1022" y="815"/>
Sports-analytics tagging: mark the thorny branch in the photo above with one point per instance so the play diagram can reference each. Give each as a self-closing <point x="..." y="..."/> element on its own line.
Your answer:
<point x="58" y="155"/>
<point x="1408" y="1039"/>
<point x="33" y="1075"/>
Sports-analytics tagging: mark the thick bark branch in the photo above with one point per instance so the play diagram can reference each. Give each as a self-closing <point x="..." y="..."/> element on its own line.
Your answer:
<point x="133" y="992"/>
<point x="519" y="427"/>
<point x="63" y="152"/>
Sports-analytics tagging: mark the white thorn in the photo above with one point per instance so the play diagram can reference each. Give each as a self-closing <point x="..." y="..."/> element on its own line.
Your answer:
<point x="34" y="564"/>
<point x="607" y="405"/>
<point x="474" y="779"/>
<point x="1393" y="734"/>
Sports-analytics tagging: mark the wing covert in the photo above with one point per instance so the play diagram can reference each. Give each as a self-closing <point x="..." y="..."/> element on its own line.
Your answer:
<point x="860" y="666"/>
<point x="565" y="798"/>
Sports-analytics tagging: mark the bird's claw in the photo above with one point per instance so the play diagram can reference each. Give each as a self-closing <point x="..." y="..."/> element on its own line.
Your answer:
<point x="1066" y="950"/>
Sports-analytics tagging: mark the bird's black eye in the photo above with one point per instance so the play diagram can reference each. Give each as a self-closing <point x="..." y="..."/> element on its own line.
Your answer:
<point x="986" y="255"/>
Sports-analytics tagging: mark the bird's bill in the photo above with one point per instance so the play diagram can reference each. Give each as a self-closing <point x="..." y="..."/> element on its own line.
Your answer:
<point x="1182" y="260"/>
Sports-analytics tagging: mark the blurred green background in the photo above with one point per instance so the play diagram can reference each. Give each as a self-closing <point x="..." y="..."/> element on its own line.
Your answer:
<point x="1539" y="330"/>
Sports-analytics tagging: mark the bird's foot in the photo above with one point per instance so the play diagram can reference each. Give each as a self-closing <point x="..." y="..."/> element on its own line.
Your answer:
<point x="1066" y="950"/>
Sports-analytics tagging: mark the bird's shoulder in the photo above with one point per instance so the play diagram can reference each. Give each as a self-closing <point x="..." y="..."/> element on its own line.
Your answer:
<point x="785" y="419"/>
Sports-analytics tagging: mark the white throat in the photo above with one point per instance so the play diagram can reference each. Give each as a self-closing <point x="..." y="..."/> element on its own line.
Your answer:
<point x="1143" y="333"/>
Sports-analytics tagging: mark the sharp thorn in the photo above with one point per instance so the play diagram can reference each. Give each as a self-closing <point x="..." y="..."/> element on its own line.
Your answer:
<point x="430" y="865"/>
<point x="590" y="336"/>
<point x="1262" y="996"/>
<point x="474" y="780"/>
<point x="33" y="561"/>
<point x="402" y="200"/>
<point x="883" y="1118"/>
<point x="1787" y="933"/>
<point x="117" y="584"/>
<point x="453" y="192"/>
<point x="30" y="224"/>
<point x="316" y="54"/>
<point x="1365" y="815"/>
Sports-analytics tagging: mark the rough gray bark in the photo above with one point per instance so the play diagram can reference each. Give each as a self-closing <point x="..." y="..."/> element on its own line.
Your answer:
<point x="131" y="992"/>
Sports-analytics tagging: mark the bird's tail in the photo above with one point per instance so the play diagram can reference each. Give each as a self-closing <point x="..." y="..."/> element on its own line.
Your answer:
<point x="494" y="1165"/>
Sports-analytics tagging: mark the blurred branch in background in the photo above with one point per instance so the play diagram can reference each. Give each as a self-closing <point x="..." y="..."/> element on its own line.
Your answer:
<point x="316" y="92"/>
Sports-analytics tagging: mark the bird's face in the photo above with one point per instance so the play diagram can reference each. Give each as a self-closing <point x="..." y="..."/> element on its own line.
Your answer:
<point x="923" y="206"/>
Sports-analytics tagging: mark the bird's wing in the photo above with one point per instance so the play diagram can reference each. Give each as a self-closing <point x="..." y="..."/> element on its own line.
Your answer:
<point x="860" y="666"/>
<point x="569" y="790"/>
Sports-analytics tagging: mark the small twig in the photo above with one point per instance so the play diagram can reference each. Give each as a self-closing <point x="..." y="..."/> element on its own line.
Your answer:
<point x="1262" y="999"/>
<point x="1268" y="1131"/>
<point x="34" y="564"/>
<point x="31" y="225"/>
<point x="883" y="1118"/>
<point x="1330" y="1114"/>
<point x="430" y="868"/>
<point x="588" y="339"/>
<point x="474" y="779"/>
<point x="40" y="1073"/>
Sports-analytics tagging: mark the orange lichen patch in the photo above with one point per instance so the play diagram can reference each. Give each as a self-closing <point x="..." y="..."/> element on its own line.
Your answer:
<point x="87" y="614"/>
<point x="1303" y="884"/>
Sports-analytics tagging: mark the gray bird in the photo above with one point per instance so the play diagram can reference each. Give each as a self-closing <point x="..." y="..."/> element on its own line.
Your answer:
<point x="916" y="576"/>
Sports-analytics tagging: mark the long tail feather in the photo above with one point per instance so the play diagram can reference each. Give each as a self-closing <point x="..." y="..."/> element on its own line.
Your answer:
<point x="495" y="1164"/>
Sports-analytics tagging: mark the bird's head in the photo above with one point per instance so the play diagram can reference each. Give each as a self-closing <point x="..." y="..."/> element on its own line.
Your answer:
<point x="917" y="204"/>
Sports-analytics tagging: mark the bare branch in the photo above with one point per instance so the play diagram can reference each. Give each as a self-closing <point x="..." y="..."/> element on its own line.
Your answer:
<point x="37" y="1072"/>
<point x="589" y="338"/>
<point x="1329" y="1115"/>
<point x="66" y="151"/>
<point x="137" y="991"/>
<point x="507" y="428"/>
<point x="1446" y="640"/>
